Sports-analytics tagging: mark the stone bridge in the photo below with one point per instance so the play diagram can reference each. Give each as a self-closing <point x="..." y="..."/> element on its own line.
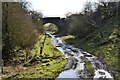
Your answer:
<point x="60" y="22"/>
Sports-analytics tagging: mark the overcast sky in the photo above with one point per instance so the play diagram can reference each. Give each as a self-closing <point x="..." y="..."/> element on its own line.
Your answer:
<point x="53" y="8"/>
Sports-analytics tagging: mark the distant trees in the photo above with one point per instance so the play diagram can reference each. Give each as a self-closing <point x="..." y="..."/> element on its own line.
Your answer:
<point x="20" y="29"/>
<point x="93" y="17"/>
<point x="104" y="12"/>
<point x="36" y="18"/>
<point x="78" y="25"/>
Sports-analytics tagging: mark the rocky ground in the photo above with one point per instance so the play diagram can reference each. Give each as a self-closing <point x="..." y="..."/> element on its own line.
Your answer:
<point x="80" y="63"/>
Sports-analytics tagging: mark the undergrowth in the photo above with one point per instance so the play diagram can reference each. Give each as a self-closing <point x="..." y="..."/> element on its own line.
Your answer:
<point x="106" y="47"/>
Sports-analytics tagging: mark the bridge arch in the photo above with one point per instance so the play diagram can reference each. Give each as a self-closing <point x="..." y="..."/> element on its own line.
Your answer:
<point x="60" y="22"/>
<point x="50" y="27"/>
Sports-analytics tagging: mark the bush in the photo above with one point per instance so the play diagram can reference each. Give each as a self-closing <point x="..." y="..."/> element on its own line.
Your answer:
<point x="19" y="31"/>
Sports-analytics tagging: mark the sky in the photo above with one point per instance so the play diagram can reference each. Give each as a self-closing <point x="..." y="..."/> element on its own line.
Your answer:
<point x="58" y="8"/>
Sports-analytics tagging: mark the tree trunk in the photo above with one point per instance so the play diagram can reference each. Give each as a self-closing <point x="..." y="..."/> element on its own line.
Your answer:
<point x="42" y="47"/>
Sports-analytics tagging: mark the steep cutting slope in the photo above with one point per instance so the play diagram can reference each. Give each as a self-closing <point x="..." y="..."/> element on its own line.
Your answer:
<point x="106" y="48"/>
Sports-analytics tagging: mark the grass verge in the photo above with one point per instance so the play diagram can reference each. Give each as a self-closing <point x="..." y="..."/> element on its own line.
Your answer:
<point x="49" y="64"/>
<point x="107" y="48"/>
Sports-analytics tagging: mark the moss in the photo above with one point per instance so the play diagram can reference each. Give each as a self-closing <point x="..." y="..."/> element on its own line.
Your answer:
<point x="68" y="37"/>
<point x="52" y="63"/>
<point x="50" y="50"/>
<point x="108" y="45"/>
<point x="49" y="70"/>
<point x="88" y="67"/>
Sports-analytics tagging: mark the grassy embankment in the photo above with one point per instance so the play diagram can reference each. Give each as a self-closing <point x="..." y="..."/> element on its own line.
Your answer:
<point x="106" y="47"/>
<point x="48" y="65"/>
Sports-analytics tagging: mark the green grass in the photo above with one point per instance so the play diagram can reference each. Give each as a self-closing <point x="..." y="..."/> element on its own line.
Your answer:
<point x="107" y="46"/>
<point x="88" y="67"/>
<point x="50" y="64"/>
<point x="50" y="51"/>
<point x="45" y="70"/>
<point x="68" y="37"/>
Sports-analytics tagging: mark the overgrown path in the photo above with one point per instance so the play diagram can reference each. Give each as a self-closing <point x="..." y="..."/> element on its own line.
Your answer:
<point x="79" y="62"/>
